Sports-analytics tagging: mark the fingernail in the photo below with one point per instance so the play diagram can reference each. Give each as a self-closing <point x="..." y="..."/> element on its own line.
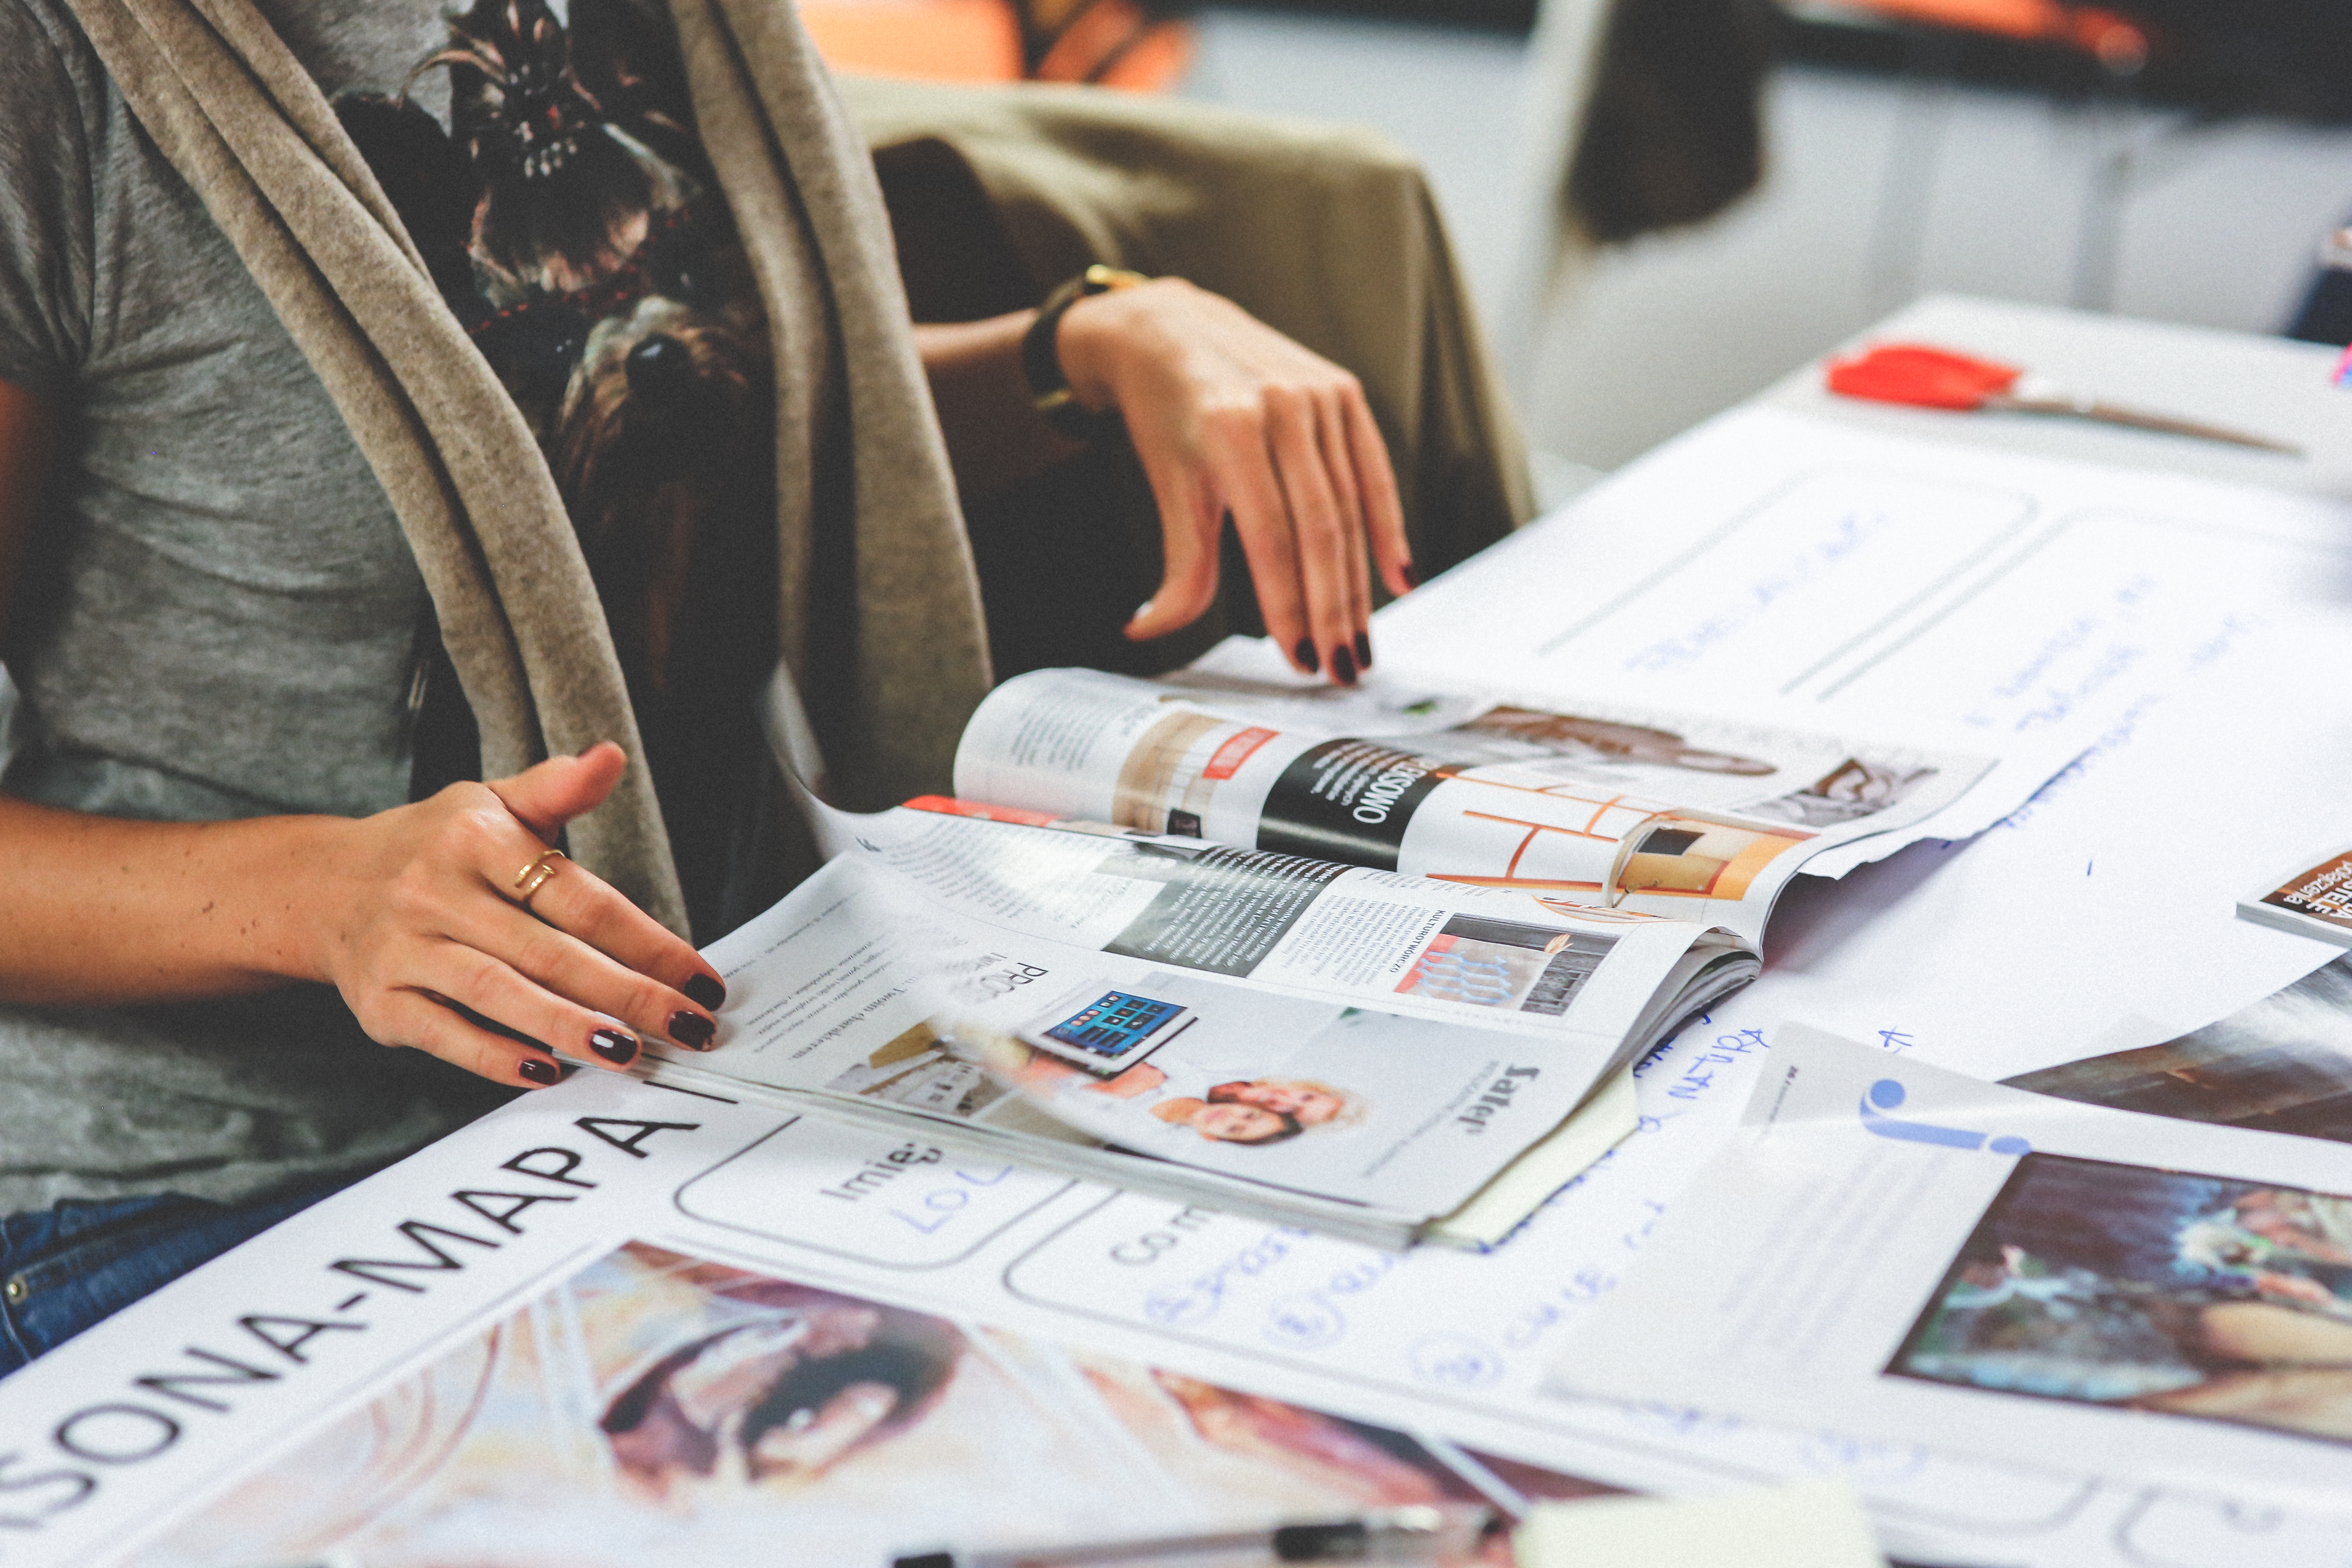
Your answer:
<point x="613" y="1046"/>
<point x="1411" y="574"/>
<point x="1141" y="610"/>
<point x="1343" y="666"/>
<point x="691" y="1030"/>
<point x="706" y="989"/>
<point x="1304" y="653"/>
<point x="1363" y="650"/>
<point x="537" y="1069"/>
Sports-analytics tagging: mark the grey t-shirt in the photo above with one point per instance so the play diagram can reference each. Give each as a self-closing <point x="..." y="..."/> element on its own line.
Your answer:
<point x="219" y="617"/>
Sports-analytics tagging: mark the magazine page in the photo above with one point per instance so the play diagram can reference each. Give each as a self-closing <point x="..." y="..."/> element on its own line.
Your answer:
<point x="1304" y="1028"/>
<point x="1922" y="1256"/>
<point x="1583" y="804"/>
<point x="2314" y="899"/>
<point x="2281" y="1064"/>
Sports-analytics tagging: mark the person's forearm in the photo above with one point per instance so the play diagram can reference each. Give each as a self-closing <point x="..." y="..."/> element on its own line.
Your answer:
<point x="995" y="435"/>
<point x="96" y="910"/>
<point x="100" y="911"/>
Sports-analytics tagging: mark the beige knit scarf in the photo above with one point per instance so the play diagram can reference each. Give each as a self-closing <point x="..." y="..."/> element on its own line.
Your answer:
<point x="877" y="606"/>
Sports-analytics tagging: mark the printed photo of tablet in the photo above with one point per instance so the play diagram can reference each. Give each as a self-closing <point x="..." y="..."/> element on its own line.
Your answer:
<point x="1107" y="1032"/>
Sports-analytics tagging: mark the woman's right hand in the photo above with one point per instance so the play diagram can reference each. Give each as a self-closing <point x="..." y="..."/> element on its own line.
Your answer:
<point x="417" y="918"/>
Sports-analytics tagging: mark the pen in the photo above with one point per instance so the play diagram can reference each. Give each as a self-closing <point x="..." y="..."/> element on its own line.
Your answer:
<point x="1396" y="1535"/>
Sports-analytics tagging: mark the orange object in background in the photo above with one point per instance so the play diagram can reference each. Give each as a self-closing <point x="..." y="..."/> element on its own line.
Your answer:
<point x="942" y="40"/>
<point x="2117" y="40"/>
<point x="1109" y="41"/>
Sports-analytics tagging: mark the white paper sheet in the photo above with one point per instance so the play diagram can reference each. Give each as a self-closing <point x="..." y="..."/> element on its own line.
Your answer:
<point x="2035" y="605"/>
<point x="1807" y="1524"/>
<point x="2109" y="898"/>
<point x="1922" y="1256"/>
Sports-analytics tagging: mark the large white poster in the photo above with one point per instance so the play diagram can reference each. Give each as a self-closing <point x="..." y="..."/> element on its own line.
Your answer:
<point x="683" y="1320"/>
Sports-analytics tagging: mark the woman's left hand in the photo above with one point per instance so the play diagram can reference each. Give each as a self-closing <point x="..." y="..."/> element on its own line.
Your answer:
<point x="1230" y="417"/>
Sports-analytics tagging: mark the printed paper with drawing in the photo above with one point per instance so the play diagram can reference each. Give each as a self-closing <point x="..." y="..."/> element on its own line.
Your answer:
<point x="1359" y="1049"/>
<point x="1916" y="1255"/>
<point x="1656" y="810"/>
<point x="577" y="1337"/>
<point x="1434" y="1352"/>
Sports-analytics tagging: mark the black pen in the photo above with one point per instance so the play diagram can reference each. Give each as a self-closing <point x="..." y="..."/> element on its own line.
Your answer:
<point x="1402" y="1536"/>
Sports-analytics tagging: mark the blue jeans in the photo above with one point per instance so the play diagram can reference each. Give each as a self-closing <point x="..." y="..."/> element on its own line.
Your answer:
<point x="64" y="1270"/>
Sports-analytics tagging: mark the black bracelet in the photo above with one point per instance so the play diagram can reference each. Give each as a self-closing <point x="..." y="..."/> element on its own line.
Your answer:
<point x="1040" y="357"/>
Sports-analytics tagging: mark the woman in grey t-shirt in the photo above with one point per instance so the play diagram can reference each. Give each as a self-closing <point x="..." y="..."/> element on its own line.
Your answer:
<point x="224" y="890"/>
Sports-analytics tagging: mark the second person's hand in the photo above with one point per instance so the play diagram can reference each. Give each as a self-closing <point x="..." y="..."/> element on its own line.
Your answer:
<point x="1230" y="417"/>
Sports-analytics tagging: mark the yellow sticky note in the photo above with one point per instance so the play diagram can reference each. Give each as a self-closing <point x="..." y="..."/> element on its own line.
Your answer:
<point x="1805" y="1524"/>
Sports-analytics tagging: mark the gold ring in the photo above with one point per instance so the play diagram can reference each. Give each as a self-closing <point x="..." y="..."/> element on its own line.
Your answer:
<point x="533" y="877"/>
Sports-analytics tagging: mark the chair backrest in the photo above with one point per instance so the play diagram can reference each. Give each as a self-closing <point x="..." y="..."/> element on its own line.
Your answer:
<point x="1556" y="93"/>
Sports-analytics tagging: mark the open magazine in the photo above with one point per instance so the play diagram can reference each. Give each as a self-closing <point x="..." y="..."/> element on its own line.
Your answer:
<point x="1674" y="814"/>
<point x="1354" y="960"/>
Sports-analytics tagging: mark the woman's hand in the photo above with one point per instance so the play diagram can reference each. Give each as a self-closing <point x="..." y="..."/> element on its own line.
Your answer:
<point x="414" y="914"/>
<point x="417" y="917"/>
<point x="1229" y="417"/>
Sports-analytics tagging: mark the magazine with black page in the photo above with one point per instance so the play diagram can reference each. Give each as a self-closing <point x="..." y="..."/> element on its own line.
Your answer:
<point x="1368" y="963"/>
<point x="1687" y="816"/>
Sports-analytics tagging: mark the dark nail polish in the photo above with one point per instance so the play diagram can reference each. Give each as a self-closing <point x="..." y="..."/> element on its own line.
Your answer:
<point x="537" y="1069"/>
<point x="1412" y="576"/>
<point x="613" y="1046"/>
<point x="1304" y="653"/>
<point x="1363" y="650"/>
<point x="1343" y="666"/>
<point x="705" y="989"/>
<point x="691" y="1030"/>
